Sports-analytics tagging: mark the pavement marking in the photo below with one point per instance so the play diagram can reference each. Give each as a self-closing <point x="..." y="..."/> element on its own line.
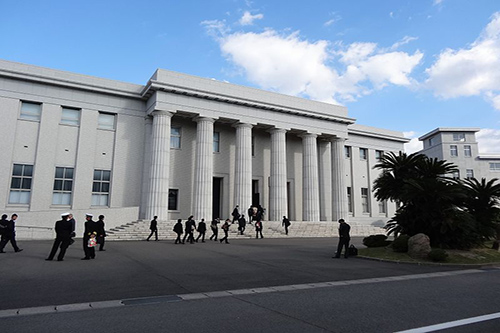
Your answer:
<point x="451" y="324"/>
<point x="222" y="293"/>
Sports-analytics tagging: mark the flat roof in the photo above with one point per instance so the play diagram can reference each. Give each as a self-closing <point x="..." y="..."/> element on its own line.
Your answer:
<point x="449" y="129"/>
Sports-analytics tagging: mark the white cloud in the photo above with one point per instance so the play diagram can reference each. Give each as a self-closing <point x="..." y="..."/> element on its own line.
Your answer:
<point x="329" y="23"/>
<point x="414" y="145"/>
<point x="405" y="40"/>
<point x="437" y="2"/>
<point x="488" y="141"/>
<point x="247" y="18"/>
<point x="471" y="71"/>
<point x="319" y="70"/>
<point x="391" y="14"/>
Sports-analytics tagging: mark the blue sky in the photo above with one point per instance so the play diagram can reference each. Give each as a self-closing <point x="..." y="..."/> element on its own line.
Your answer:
<point x="409" y="65"/>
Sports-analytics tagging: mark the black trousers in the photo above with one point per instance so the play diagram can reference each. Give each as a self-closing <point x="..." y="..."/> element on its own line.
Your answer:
<point x="101" y="241"/>
<point x="215" y="233"/>
<point x="8" y="238"/>
<point x="202" y="235"/>
<point x="286" y="229"/>
<point x="63" y="243"/>
<point x="190" y="237"/>
<point x="154" y="231"/>
<point x="178" y="239"/>
<point x="257" y="232"/>
<point x="225" y="236"/>
<point x="343" y="242"/>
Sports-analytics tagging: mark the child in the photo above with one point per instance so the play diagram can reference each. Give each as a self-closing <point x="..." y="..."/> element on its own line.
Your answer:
<point x="92" y="243"/>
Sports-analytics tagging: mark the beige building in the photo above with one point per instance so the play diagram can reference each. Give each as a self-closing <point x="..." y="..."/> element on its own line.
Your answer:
<point x="177" y="146"/>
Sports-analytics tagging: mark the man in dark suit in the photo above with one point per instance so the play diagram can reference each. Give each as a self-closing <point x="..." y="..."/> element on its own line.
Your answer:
<point x="202" y="229"/>
<point x="154" y="228"/>
<point x="344" y="238"/>
<point x="101" y="233"/>
<point x="189" y="228"/>
<point x="63" y="228"/>
<point x="8" y="233"/>
<point x="90" y="228"/>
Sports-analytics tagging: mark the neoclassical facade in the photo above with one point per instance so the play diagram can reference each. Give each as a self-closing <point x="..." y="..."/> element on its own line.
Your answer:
<point x="177" y="146"/>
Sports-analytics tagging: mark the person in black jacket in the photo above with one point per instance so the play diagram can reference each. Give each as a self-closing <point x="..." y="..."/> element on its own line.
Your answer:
<point x="189" y="228"/>
<point x="235" y="214"/>
<point x="344" y="238"/>
<point x="202" y="228"/>
<point x="178" y="231"/>
<point x="286" y="224"/>
<point x="90" y="228"/>
<point x="63" y="228"/>
<point x="225" y="228"/>
<point x="242" y="224"/>
<point x="101" y="232"/>
<point x="154" y="228"/>
<point x="8" y="230"/>
<point x="215" y="229"/>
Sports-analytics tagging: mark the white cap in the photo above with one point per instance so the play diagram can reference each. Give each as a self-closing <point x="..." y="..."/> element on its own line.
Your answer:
<point x="65" y="214"/>
<point x="88" y="214"/>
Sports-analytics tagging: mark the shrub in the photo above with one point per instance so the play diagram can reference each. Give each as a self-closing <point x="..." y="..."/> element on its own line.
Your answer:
<point x="400" y="244"/>
<point x="375" y="241"/>
<point x="438" y="255"/>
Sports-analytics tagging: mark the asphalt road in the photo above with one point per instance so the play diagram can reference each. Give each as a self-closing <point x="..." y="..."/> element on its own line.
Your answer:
<point x="368" y="295"/>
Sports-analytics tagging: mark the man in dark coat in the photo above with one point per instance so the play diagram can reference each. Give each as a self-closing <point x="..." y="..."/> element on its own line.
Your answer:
<point x="63" y="228"/>
<point x="90" y="228"/>
<point x="225" y="228"/>
<point x="242" y="224"/>
<point x="71" y="219"/>
<point x="8" y="229"/>
<point x="235" y="214"/>
<point x="250" y="214"/>
<point x="286" y="224"/>
<point x="215" y="229"/>
<point x="154" y="228"/>
<point x="202" y="228"/>
<point x="178" y="231"/>
<point x="344" y="238"/>
<point x="101" y="232"/>
<point x="189" y="227"/>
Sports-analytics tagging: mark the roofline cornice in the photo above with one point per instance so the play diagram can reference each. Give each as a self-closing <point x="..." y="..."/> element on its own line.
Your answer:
<point x="377" y="135"/>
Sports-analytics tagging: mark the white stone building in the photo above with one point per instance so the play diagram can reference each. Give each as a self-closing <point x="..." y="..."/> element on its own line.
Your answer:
<point x="178" y="146"/>
<point x="459" y="146"/>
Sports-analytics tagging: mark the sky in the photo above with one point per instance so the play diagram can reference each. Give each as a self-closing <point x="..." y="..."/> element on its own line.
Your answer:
<point x="405" y="65"/>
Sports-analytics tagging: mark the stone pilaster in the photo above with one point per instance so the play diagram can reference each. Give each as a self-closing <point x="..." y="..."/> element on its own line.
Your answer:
<point x="310" y="177"/>
<point x="325" y="180"/>
<point x="204" y="169"/>
<point x="159" y="167"/>
<point x="278" y="205"/>
<point x="339" y="188"/>
<point x="243" y="167"/>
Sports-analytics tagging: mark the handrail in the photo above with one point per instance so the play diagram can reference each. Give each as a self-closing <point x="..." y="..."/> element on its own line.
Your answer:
<point x="32" y="227"/>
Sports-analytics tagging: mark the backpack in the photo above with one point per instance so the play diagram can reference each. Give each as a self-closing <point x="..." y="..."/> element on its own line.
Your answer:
<point x="353" y="251"/>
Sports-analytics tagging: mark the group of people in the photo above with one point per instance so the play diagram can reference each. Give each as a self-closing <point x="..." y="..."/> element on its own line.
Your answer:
<point x="8" y="232"/>
<point x="94" y="234"/>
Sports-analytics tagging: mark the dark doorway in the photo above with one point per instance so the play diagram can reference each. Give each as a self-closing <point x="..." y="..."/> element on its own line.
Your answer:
<point x="255" y="193"/>
<point x="217" y="198"/>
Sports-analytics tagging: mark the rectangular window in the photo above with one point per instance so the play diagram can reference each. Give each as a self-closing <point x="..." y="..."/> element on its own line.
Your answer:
<point x="100" y="187"/>
<point x="175" y="137"/>
<point x="106" y="121"/>
<point x="349" y="200"/>
<point x="470" y="173"/>
<point x="173" y="197"/>
<point x="216" y="142"/>
<point x="253" y="146"/>
<point x="430" y="142"/>
<point x="494" y="166"/>
<point x="467" y="151"/>
<point x="363" y="153"/>
<point x="382" y="207"/>
<point x="63" y="186"/>
<point x="20" y="186"/>
<point x="459" y="137"/>
<point x="454" y="150"/>
<point x="455" y="175"/>
<point x="347" y="151"/>
<point x="379" y="154"/>
<point x="30" y="111"/>
<point x="70" y="117"/>
<point x="364" y="200"/>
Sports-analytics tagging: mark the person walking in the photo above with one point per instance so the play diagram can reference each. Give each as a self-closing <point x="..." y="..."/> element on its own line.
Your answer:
<point x="344" y="238"/>
<point x="72" y="220"/>
<point x="64" y="229"/>
<point x="189" y="227"/>
<point x="242" y="224"/>
<point x="225" y="228"/>
<point x="215" y="229"/>
<point x="8" y="229"/>
<point x="202" y="229"/>
<point x="250" y="214"/>
<point x="235" y="214"/>
<point x="153" y="226"/>
<point x="178" y="231"/>
<point x="90" y="228"/>
<point x="258" y="229"/>
<point x="286" y="224"/>
<point x="101" y="233"/>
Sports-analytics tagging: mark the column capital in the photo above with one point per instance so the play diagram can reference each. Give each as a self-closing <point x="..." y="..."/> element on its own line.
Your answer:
<point x="161" y="113"/>
<point x="277" y="130"/>
<point x="201" y="118"/>
<point x="243" y="125"/>
<point x="308" y="135"/>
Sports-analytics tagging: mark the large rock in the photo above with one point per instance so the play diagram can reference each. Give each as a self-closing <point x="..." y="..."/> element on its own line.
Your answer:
<point x="419" y="246"/>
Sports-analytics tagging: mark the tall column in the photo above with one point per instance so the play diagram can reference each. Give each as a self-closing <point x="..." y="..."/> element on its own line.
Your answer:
<point x="325" y="180"/>
<point x="277" y="191"/>
<point x="243" y="167"/>
<point x="160" y="166"/>
<point x="339" y="189"/>
<point x="310" y="177"/>
<point x="204" y="169"/>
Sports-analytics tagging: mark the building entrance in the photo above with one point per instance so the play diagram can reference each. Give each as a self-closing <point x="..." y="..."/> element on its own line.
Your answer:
<point x="217" y="197"/>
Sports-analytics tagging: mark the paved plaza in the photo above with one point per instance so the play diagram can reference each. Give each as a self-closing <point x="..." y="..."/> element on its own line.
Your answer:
<point x="148" y="278"/>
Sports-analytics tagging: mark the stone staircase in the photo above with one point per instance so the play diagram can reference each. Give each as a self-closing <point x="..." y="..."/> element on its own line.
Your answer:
<point x="139" y="230"/>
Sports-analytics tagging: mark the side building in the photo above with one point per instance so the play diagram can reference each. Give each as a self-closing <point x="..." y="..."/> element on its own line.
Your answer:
<point x="459" y="146"/>
<point x="178" y="146"/>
